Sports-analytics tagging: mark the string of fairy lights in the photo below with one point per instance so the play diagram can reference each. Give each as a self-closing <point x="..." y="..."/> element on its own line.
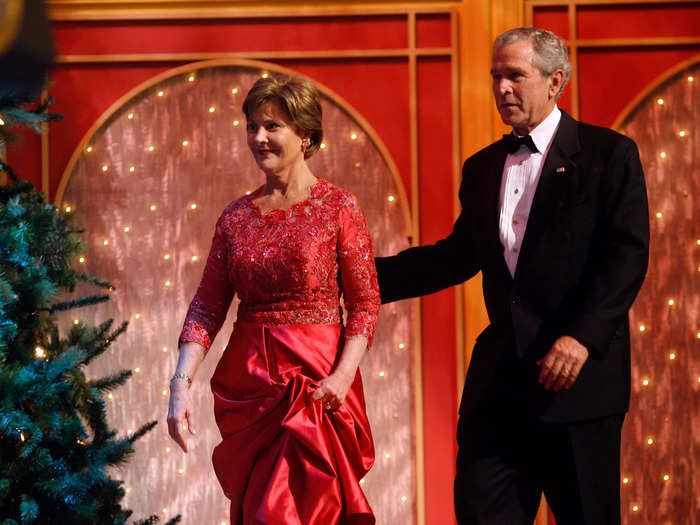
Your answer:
<point x="672" y="354"/>
<point x="168" y="282"/>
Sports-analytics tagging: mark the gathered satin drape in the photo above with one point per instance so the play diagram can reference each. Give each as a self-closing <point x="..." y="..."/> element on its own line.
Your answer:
<point x="283" y="459"/>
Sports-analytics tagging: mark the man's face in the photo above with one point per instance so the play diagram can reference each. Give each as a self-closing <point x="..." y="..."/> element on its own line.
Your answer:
<point x="523" y="95"/>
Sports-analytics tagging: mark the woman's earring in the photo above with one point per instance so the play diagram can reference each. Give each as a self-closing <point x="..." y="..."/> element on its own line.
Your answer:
<point x="305" y="143"/>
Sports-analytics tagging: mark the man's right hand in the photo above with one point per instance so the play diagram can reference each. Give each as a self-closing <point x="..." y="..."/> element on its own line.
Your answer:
<point x="560" y="367"/>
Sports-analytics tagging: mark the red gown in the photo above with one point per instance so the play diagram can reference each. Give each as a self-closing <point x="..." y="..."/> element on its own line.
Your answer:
<point x="283" y="459"/>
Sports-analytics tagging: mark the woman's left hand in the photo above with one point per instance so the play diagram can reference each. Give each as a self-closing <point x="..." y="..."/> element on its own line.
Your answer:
<point x="333" y="389"/>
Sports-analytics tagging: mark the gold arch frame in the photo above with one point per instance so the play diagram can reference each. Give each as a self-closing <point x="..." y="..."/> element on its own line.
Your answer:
<point x="410" y="223"/>
<point x="651" y="87"/>
<point x="253" y="64"/>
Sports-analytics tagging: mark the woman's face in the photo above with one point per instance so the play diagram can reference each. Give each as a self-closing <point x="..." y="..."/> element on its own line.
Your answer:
<point x="273" y="139"/>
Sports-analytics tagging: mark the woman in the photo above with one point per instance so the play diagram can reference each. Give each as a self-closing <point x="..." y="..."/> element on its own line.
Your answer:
<point x="288" y="396"/>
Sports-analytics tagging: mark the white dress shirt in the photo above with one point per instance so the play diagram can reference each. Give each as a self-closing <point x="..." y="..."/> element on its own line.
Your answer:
<point x="521" y="174"/>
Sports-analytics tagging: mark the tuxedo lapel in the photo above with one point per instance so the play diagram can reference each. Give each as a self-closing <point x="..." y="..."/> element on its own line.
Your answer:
<point x="491" y="205"/>
<point x="492" y="192"/>
<point x="559" y="172"/>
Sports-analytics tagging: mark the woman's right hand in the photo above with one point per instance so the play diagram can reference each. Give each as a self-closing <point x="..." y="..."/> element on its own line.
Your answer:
<point x="179" y="411"/>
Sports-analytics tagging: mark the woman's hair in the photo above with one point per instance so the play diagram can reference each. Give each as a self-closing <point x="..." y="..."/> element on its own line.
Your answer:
<point x="299" y="97"/>
<point x="550" y="50"/>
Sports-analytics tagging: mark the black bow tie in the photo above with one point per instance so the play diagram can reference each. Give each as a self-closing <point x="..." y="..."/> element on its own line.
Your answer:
<point x="514" y="143"/>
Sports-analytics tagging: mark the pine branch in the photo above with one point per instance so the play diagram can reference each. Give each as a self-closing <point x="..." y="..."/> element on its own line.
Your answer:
<point x="14" y="111"/>
<point x="113" y="453"/>
<point x="29" y="509"/>
<point x="88" y="337"/>
<point x="44" y="106"/>
<point x="4" y="488"/>
<point x="32" y="442"/>
<point x="116" y="452"/>
<point x="18" y="427"/>
<point x="151" y="520"/>
<point x="89" y="404"/>
<point x="143" y="430"/>
<point x="100" y="348"/>
<point x="109" y="383"/>
<point x="15" y="383"/>
<point x="12" y="174"/>
<point x="55" y="443"/>
<point x="76" y="303"/>
<point x="119" y="331"/>
<point x="94" y="340"/>
<point x="94" y="280"/>
<point x="52" y="374"/>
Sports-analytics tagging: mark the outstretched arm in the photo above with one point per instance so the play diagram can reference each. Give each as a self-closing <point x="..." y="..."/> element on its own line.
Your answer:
<point x="428" y="269"/>
<point x="205" y="316"/>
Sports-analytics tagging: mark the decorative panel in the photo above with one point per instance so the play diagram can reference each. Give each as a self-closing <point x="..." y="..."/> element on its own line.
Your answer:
<point x="638" y="20"/>
<point x="149" y="185"/>
<point x="246" y="34"/>
<point x="611" y="77"/>
<point x="661" y="443"/>
<point x="617" y="48"/>
<point x="554" y="18"/>
<point x="436" y="194"/>
<point x="433" y="30"/>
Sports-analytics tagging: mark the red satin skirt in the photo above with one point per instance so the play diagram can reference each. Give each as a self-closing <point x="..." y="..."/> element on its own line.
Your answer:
<point x="283" y="459"/>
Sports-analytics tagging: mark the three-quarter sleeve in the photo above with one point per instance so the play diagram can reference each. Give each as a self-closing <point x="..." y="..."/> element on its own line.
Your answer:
<point x="208" y="308"/>
<point x="358" y="275"/>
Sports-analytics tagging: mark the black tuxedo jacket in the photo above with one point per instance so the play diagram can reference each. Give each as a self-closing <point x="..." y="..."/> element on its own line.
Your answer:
<point x="582" y="261"/>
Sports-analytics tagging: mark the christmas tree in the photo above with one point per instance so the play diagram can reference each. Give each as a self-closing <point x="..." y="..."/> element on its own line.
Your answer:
<point x="56" y="447"/>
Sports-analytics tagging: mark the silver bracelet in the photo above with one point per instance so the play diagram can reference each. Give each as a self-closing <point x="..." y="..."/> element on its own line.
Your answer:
<point x="178" y="375"/>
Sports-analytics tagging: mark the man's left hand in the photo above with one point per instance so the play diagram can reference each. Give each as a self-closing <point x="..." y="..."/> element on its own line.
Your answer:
<point x="561" y="365"/>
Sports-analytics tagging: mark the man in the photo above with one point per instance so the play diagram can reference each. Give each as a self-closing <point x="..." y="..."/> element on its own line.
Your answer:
<point x="555" y="217"/>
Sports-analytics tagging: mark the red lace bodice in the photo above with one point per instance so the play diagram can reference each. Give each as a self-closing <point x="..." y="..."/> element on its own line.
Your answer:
<point x="288" y="266"/>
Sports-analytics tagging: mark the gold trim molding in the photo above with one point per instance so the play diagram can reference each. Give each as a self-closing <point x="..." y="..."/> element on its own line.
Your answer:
<point x="74" y="10"/>
<point x="563" y="3"/>
<point x="650" y="88"/>
<point x="252" y="55"/>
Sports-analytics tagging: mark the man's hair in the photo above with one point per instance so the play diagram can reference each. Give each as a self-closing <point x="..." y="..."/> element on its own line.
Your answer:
<point x="550" y="50"/>
<point x="300" y="99"/>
